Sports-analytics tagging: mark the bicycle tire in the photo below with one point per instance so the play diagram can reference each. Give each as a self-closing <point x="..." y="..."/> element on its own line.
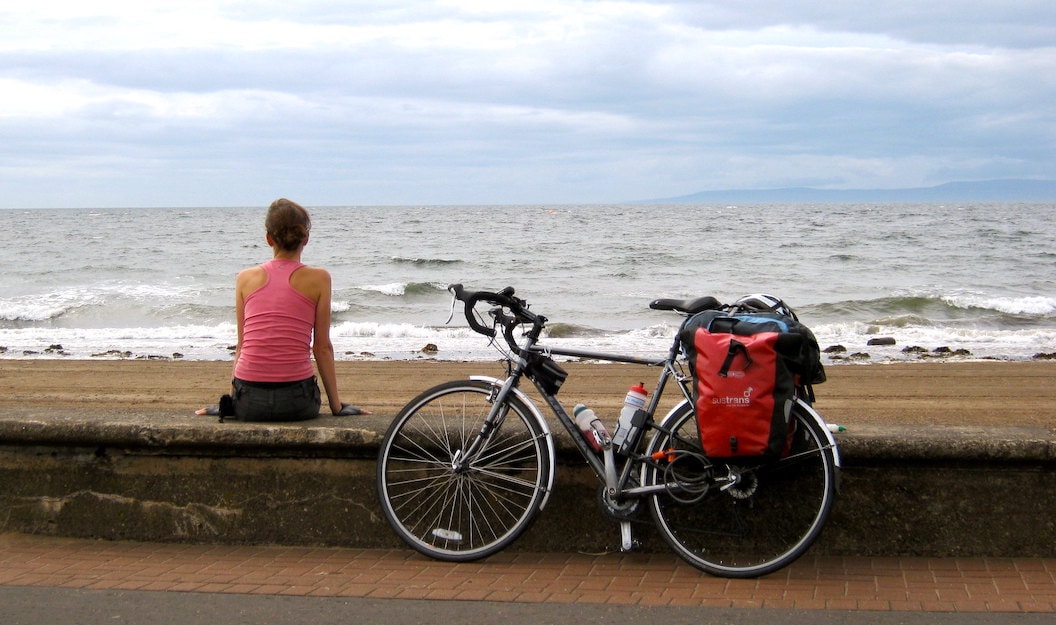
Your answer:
<point x="476" y="511"/>
<point x="755" y="528"/>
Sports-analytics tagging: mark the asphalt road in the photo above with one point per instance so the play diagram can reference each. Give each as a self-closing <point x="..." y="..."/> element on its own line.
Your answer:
<point x="63" y="606"/>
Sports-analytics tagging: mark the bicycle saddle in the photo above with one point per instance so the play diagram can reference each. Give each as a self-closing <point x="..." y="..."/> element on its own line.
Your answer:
<point x="690" y="306"/>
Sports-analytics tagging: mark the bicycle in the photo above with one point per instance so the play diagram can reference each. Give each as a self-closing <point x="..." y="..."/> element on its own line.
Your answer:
<point x="466" y="466"/>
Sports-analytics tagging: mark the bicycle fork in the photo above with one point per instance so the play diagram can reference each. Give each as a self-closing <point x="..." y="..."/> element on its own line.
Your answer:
<point x="464" y="457"/>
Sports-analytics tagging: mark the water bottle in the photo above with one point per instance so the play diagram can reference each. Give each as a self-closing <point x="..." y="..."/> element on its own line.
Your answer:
<point x="633" y="404"/>
<point x="590" y="425"/>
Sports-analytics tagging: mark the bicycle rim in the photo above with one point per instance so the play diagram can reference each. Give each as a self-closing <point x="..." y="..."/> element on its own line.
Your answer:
<point x="474" y="511"/>
<point x="760" y="525"/>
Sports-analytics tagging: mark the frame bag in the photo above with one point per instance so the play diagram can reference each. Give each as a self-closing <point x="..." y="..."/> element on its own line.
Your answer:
<point x="746" y="368"/>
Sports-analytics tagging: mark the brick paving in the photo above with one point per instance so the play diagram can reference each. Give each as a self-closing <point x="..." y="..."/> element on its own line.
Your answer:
<point x="812" y="583"/>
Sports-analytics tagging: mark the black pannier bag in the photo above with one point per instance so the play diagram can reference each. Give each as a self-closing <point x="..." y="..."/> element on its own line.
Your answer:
<point x="547" y="373"/>
<point x="746" y="368"/>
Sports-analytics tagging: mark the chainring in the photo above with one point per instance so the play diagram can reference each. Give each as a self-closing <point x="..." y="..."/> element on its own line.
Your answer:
<point x="625" y="510"/>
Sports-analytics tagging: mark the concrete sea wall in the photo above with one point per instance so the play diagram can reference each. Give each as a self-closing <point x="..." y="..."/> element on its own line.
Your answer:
<point x="937" y="491"/>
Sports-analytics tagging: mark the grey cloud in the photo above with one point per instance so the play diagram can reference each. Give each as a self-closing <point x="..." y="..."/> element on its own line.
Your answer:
<point x="649" y="104"/>
<point x="991" y="23"/>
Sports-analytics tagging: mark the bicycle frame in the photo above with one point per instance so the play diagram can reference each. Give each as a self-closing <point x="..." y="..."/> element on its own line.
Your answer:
<point x="436" y="476"/>
<point x="668" y="372"/>
<point x="614" y="477"/>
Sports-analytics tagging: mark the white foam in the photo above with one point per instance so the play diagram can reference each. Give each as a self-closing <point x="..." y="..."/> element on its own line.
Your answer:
<point x="194" y="342"/>
<point x="1028" y="305"/>
<point x="42" y="307"/>
<point x="981" y="342"/>
<point x="372" y="329"/>
<point x="372" y="340"/>
<point x="394" y="289"/>
<point x="58" y="302"/>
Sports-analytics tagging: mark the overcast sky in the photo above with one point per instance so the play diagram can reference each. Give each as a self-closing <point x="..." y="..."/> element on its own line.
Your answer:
<point x="344" y="102"/>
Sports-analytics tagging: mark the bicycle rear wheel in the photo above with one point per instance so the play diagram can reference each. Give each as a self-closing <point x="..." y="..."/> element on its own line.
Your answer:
<point x="758" y="525"/>
<point x="451" y="494"/>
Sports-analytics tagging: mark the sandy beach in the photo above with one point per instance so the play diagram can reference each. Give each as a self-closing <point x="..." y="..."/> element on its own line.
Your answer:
<point x="931" y="393"/>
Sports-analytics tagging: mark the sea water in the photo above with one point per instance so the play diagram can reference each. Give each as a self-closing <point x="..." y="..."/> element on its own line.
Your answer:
<point x="977" y="279"/>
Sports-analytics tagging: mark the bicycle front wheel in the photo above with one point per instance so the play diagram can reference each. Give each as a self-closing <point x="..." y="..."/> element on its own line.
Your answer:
<point x="741" y="518"/>
<point x="451" y="492"/>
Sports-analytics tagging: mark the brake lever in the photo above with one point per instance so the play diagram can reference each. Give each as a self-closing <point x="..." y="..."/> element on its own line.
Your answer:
<point x="501" y="318"/>
<point x="452" y="315"/>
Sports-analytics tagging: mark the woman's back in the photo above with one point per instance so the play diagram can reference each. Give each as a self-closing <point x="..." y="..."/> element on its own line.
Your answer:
<point x="278" y="323"/>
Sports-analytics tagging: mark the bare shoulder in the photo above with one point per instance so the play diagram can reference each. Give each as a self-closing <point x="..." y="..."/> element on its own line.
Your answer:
<point x="316" y="275"/>
<point x="312" y="281"/>
<point x="250" y="279"/>
<point x="318" y="271"/>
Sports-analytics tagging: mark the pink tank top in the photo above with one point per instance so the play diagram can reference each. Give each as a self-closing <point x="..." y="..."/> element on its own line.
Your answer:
<point x="277" y="335"/>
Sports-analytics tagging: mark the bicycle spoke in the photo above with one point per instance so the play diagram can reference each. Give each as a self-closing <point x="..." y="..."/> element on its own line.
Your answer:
<point x="467" y="465"/>
<point x="452" y="494"/>
<point x="757" y="516"/>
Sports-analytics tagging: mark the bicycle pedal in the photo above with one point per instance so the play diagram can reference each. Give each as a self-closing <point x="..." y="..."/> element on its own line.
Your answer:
<point x="627" y="542"/>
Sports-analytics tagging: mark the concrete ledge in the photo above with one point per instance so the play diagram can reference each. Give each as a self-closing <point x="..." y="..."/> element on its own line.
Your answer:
<point x="1015" y="444"/>
<point x="938" y="491"/>
<point x="193" y="434"/>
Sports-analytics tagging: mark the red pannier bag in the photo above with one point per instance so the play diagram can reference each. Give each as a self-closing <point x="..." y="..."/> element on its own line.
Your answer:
<point x="746" y="368"/>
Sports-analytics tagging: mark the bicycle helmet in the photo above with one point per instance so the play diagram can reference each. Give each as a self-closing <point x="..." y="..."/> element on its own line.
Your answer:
<point x="761" y="302"/>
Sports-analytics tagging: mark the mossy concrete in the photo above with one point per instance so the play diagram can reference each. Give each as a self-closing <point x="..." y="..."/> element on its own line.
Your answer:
<point x="933" y="491"/>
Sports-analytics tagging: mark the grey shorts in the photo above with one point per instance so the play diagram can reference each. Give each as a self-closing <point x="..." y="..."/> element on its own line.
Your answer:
<point x="276" y="401"/>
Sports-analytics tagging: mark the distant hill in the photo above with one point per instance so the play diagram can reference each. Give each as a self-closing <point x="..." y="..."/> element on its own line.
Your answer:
<point x="980" y="191"/>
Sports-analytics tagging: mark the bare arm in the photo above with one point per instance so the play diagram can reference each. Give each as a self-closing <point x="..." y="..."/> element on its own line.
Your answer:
<point x="322" y="347"/>
<point x="245" y="283"/>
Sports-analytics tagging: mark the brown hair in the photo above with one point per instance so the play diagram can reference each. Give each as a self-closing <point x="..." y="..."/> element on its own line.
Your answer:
<point x="288" y="224"/>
